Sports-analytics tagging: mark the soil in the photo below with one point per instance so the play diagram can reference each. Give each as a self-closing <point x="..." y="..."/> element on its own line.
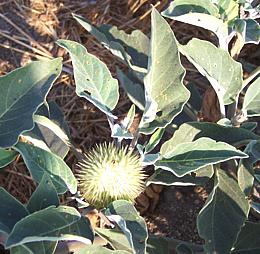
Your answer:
<point x="44" y="21"/>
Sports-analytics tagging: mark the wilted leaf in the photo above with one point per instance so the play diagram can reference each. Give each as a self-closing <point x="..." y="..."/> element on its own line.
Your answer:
<point x="22" y="92"/>
<point x="191" y="156"/>
<point x="164" y="90"/>
<point x="223" y="215"/>
<point x="94" y="81"/>
<point x="53" y="223"/>
<point x="130" y="222"/>
<point x="6" y="157"/>
<point x="251" y="102"/>
<point x="40" y="162"/>
<point x="11" y="211"/>
<point x="44" y="196"/>
<point x="222" y="71"/>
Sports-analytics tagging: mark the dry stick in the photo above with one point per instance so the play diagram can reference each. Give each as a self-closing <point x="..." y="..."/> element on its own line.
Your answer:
<point x="25" y="45"/>
<point x="25" y="34"/>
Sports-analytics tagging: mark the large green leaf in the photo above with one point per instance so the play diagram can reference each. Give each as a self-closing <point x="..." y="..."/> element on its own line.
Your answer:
<point x="40" y="162"/>
<point x="116" y="238"/>
<point x="22" y="92"/>
<point x="245" y="173"/>
<point x="194" y="130"/>
<point x="191" y="156"/>
<point x="94" y="81"/>
<point x="165" y="92"/>
<point x="6" y="157"/>
<point x="51" y="128"/>
<point x="94" y="249"/>
<point x="223" y="215"/>
<point x="131" y="223"/>
<point x="222" y="71"/>
<point x="11" y="211"/>
<point x="44" y="196"/>
<point x="251" y="103"/>
<point x="165" y="177"/>
<point x="133" y="49"/>
<point x="248" y="239"/>
<point x="51" y="224"/>
<point x="201" y="13"/>
<point x="41" y="247"/>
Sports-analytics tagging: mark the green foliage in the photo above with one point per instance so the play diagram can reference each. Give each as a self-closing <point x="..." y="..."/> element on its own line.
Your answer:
<point x="181" y="150"/>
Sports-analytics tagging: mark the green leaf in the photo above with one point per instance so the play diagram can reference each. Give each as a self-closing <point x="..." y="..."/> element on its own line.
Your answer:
<point x="249" y="29"/>
<point x="223" y="215"/>
<point x="157" y="245"/>
<point x="228" y="9"/>
<point x="133" y="89"/>
<point x="251" y="103"/>
<point x="100" y="250"/>
<point x="51" y="128"/>
<point x="221" y="70"/>
<point x="6" y="157"/>
<point x="164" y="89"/>
<point x="249" y="125"/>
<point x="11" y="211"/>
<point x="54" y="223"/>
<point x="40" y="162"/>
<point x="200" y="13"/>
<point x="245" y="173"/>
<point x="248" y="239"/>
<point x="194" y="130"/>
<point x="165" y="177"/>
<point x="132" y="49"/>
<point x="94" y="81"/>
<point x="42" y="247"/>
<point x="116" y="238"/>
<point x="44" y="196"/>
<point x="191" y="156"/>
<point x="129" y="221"/>
<point x="22" y="92"/>
<point x="184" y="249"/>
<point x="154" y="140"/>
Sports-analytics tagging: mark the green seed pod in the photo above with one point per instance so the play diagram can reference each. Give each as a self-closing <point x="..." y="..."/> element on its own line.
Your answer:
<point x="108" y="173"/>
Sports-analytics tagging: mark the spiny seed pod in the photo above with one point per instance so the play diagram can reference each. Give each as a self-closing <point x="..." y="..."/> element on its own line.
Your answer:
<point x="109" y="173"/>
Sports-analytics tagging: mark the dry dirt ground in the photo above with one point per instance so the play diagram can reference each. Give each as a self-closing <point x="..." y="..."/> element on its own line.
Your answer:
<point x="28" y="31"/>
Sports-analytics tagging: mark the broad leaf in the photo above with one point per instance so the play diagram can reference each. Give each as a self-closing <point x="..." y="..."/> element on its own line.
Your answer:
<point x="94" y="81"/>
<point x="54" y="223"/>
<point x="132" y="49"/>
<point x="251" y="103"/>
<point x="223" y="73"/>
<point x="44" y="196"/>
<point x="249" y="29"/>
<point x="248" y="239"/>
<point x="165" y="177"/>
<point x="157" y="245"/>
<point x="94" y="249"/>
<point x="134" y="90"/>
<point x="11" y="211"/>
<point x="51" y="127"/>
<point x="245" y="173"/>
<point x="129" y="221"/>
<point x="165" y="92"/>
<point x="199" y="13"/>
<point x="228" y="9"/>
<point x="223" y="215"/>
<point x="191" y="156"/>
<point x="40" y="162"/>
<point x="194" y="130"/>
<point x="22" y="92"/>
<point x="116" y="238"/>
<point x="35" y="248"/>
<point x="6" y="157"/>
<point x="154" y="140"/>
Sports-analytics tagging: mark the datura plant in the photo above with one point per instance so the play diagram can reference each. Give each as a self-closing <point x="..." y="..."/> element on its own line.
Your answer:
<point x="179" y="148"/>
